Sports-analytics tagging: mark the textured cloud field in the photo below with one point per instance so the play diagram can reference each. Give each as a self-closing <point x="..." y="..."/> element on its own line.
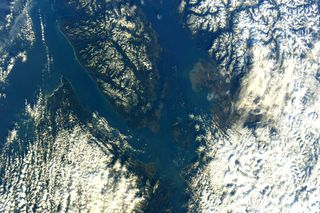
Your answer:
<point x="55" y="160"/>
<point x="272" y="166"/>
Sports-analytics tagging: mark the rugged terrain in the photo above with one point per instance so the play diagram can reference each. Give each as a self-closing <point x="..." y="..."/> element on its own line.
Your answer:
<point x="60" y="158"/>
<point x="115" y="42"/>
<point x="267" y="158"/>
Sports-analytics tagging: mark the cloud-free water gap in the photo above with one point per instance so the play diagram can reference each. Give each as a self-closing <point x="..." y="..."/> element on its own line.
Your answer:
<point x="179" y="54"/>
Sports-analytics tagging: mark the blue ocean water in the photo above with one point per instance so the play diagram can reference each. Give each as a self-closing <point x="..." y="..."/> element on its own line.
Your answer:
<point x="179" y="53"/>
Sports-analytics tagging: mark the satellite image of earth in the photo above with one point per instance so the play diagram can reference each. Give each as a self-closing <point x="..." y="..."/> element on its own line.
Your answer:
<point x="160" y="106"/>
